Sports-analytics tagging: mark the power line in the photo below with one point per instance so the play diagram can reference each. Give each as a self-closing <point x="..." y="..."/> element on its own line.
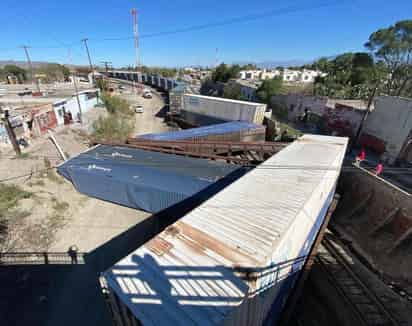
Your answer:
<point x="229" y="21"/>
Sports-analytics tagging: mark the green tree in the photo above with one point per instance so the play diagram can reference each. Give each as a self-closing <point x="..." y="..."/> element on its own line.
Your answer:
<point x="393" y="46"/>
<point x="232" y="91"/>
<point x="224" y="72"/>
<point x="348" y="75"/>
<point x="249" y="66"/>
<point x="54" y="72"/>
<point x="269" y="88"/>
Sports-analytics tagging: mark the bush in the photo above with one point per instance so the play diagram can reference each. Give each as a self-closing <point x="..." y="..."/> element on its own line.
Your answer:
<point x="280" y="111"/>
<point x="112" y="128"/>
<point x="10" y="196"/>
<point x="119" y="124"/>
<point x="116" y="105"/>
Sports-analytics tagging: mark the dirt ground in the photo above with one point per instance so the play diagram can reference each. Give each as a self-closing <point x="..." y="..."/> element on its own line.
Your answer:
<point x="56" y="216"/>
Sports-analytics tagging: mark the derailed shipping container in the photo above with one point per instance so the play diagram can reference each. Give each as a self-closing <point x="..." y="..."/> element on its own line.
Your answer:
<point x="141" y="179"/>
<point x="235" y="258"/>
<point x="229" y="131"/>
<point x="217" y="110"/>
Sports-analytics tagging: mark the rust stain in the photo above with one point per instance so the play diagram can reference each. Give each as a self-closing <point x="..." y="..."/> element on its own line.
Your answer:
<point x="207" y="242"/>
<point x="172" y="230"/>
<point x="159" y="246"/>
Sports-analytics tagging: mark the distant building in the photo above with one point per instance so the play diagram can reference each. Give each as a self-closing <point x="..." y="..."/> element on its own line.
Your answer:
<point x="248" y="88"/>
<point x="270" y="73"/>
<point x="288" y="75"/>
<point x="388" y="129"/>
<point x="250" y="74"/>
<point x="300" y="76"/>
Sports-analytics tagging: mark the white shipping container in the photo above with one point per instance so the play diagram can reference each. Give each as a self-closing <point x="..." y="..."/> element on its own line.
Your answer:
<point x="227" y="262"/>
<point x="226" y="109"/>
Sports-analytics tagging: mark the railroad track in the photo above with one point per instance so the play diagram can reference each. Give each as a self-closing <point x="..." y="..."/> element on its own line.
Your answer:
<point x="369" y="309"/>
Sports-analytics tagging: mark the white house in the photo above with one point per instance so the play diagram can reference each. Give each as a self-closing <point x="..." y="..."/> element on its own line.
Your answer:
<point x="300" y="76"/>
<point x="250" y="74"/>
<point x="88" y="100"/>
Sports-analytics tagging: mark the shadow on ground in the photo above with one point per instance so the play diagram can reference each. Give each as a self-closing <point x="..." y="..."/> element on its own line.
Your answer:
<point x="51" y="295"/>
<point x="55" y="294"/>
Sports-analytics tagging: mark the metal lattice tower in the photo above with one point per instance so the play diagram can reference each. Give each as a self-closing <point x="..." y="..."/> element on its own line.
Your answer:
<point x="136" y="37"/>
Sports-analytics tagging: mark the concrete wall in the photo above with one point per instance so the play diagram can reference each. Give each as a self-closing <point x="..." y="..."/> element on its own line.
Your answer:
<point x="357" y="186"/>
<point x="343" y="120"/>
<point x="391" y="122"/>
<point x="296" y="104"/>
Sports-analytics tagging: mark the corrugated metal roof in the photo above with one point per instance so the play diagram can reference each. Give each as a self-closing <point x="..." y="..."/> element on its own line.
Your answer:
<point x="141" y="179"/>
<point x="191" y="270"/>
<point x="216" y="129"/>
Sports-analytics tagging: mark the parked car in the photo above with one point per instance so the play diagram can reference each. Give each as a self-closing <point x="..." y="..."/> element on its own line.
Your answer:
<point x="138" y="108"/>
<point x="147" y="95"/>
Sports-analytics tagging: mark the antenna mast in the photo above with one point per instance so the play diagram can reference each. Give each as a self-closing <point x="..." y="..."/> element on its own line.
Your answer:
<point x="136" y="37"/>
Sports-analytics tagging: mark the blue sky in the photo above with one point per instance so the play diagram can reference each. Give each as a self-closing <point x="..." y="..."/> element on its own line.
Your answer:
<point x="288" y="30"/>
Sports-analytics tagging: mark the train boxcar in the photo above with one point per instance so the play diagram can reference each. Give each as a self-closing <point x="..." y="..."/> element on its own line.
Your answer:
<point x="203" y="110"/>
<point x="162" y="83"/>
<point x="229" y="131"/>
<point x="234" y="259"/>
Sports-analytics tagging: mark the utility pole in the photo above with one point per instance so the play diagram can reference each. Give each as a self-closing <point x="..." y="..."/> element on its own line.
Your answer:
<point x="10" y="131"/>
<point x="136" y="37"/>
<point x="88" y="56"/>
<point x="76" y="89"/>
<point x="217" y="58"/>
<point x="33" y="78"/>
<point x="106" y="65"/>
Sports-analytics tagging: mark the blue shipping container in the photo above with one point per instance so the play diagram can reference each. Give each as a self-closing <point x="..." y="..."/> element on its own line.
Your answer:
<point x="141" y="179"/>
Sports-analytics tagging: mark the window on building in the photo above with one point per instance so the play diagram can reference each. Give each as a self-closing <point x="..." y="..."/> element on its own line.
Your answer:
<point x="91" y="95"/>
<point x="292" y="107"/>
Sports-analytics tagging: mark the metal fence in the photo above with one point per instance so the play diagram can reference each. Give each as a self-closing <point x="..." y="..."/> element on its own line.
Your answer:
<point x="41" y="258"/>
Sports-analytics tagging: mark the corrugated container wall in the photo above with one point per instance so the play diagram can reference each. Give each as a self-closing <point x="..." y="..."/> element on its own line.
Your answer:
<point x="224" y="109"/>
<point x="234" y="259"/>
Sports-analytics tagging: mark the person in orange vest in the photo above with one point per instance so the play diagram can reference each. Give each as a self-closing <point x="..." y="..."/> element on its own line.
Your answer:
<point x="379" y="168"/>
<point x="360" y="157"/>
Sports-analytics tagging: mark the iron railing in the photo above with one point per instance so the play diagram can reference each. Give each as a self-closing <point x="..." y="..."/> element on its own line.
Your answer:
<point x="41" y="258"/>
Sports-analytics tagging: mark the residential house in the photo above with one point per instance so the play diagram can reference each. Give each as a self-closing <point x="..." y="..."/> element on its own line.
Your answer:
<point x="88" y="100"/>
<point x="250" y="74"/>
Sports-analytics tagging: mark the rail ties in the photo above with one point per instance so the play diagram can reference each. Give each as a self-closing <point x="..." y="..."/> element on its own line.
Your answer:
<point x="370" y="310"/>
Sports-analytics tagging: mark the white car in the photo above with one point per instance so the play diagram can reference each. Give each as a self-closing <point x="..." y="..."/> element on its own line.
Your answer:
<point x="147" y="95"/>
<point x="138" y="108"/>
